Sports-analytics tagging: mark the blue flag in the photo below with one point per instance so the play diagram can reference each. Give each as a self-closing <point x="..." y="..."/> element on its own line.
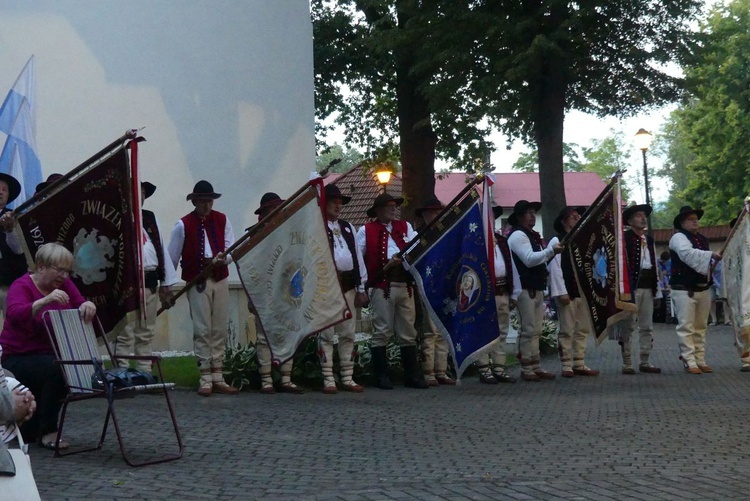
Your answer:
<point x="17" y="119"/>
<point x="450" y="266"/>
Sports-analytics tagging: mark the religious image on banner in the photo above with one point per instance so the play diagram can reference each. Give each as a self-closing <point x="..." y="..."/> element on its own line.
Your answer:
<point x="736" y="278"/>
<point x="92" y="217"/>
<point x="449" y="264"/>
<point x="288" y="272"/>
<point x="596" y="251"/>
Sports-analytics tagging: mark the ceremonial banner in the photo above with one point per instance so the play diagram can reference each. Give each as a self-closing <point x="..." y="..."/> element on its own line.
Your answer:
<point x="597" y="253"/>
<point x="18" y="121"/>
<point x="450" y="267"/>
<point x="91" y="215"/>
<point x="288" y="272"/>
<point x="736" y="275"/>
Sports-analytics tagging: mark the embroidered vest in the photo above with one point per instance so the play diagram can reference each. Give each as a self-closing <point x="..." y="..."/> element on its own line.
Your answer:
<point x="683" y="274"/>
<point x="534" y="278"/>
<point x="633" y="250"/>
<point x="149" y="225"/>
<point x="192" y="260"/>
<point x="12" y="265"/>
<point x="376" y="249"/>
<point x="348" y="237"/>
<point x="502" y="244"/>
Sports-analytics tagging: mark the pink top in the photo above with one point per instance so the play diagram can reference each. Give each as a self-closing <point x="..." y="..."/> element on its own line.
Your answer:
<point x="25" y="335"/>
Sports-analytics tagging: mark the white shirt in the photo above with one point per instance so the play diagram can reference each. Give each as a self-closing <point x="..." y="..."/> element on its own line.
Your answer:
<point x="520" y="245"/>
<point x="697" y="259"/>
<point x="151" y="260"/>
<point x="341" y="254"/>
<point x="646" y="263"/>
<point x="501" y="272"/>
<point x="177" y="240"/>
<point x="556" y="280"/>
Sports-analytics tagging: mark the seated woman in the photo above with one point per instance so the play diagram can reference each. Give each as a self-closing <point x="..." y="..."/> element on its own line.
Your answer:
<point x="27" y="351"/>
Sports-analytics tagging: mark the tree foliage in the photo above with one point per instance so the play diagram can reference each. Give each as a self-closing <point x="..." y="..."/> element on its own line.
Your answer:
<point x="347" y="158"/>
<point x="712" y="128"/>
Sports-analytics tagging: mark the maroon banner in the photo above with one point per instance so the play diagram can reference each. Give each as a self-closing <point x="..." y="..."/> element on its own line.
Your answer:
<point x="597" y="254"/>
<point x="92" y="217"/>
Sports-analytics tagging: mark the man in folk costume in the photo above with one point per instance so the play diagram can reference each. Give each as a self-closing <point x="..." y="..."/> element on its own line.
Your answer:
<point x="268" y="202"/>
<point x="573" y="319"/>
<point x="690" y="281"/>
<point x="641" y="260"/>
<point x="434" y="345"/>
<point x="530" y="256"/>
<point x="157" y="269"/>
<point x="352" y="275"/>
<point x="12" y="261"/>
<point x="392" y="296"/>
<point x="198" y="241"/>
<point x="507" y="289"/>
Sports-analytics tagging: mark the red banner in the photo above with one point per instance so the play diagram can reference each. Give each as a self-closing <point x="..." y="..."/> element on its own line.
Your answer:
<point x="92" y="216"/>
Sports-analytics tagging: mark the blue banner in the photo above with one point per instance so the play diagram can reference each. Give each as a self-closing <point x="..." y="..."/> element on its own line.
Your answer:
<point x="452" y="273"/>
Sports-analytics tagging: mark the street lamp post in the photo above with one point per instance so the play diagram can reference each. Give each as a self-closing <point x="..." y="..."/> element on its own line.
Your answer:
<point x="643" y="141"/>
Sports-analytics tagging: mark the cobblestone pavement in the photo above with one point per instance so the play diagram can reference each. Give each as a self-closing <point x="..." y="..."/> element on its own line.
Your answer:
<point x="643" y="437"/>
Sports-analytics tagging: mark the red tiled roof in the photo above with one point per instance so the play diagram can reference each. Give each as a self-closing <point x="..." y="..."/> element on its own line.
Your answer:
<point x="712" y="233"/>
<point x="581" y="188"/>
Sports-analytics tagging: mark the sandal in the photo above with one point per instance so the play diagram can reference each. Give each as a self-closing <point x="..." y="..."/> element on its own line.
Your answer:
<point x="50" y="444"/>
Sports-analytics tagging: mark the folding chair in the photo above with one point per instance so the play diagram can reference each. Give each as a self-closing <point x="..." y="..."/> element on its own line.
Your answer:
<point x="77" y="352"/>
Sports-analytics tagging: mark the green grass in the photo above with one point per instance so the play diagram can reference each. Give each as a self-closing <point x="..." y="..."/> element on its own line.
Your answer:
<point x="182" y="371"/>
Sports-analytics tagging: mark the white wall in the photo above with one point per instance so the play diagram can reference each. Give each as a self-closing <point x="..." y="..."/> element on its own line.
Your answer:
<point x="225" y="88"/>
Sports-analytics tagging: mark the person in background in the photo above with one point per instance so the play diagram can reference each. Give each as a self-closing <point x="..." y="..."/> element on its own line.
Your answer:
<point x="352" y="275"/>
<point x="572" y="316"/>
<point x="200" y="240"/>
<point x="12" y="261"/>
<point x="157" y="268"/>
<point x="530" y="256"/>
<point x="434" y="345"/>
<point x="491" y="363"/>
<point x="690" y="281"/>
<point x="641" y="258"/>
<point x="268" y="202"/>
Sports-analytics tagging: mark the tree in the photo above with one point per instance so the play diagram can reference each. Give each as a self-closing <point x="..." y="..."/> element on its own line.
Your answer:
<point x="715" y="120"/>
<point x="529" y="161"/>
<point x="671" y="145"/>
<point x="537" y="59"/>
<point x="346" y="158"/>
<point x="379" y="73"/>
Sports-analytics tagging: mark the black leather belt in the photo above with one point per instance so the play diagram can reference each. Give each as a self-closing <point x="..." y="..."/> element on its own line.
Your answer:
<point x="151" y="279"/>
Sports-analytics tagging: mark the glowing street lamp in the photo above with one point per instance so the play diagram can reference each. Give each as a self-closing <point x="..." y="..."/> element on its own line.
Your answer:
<point x="643" y="142"/>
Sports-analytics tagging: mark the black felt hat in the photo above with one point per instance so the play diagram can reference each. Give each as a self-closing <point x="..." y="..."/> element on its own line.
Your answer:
<point x="332" y="191"/>
<point x="521" y="207"/>
<point x="382" y="200"/>
<point x="685" y="211"/>
<point x="203" y="191"/>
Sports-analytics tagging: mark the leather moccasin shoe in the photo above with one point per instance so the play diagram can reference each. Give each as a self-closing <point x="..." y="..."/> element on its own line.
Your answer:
<point x="487" y="378"/>
<point x="525" y="376"/>
<point x="352" y="387"/>
<point x="504" y="378"/>
<point x="629" y="371"/>
<point x="204" y="390"/>
<point x="706" y="369"/>
<point x="745" y="368"/>
<point x="291" y="388"/>
<point x="224" y="389"/>
<point x="585" y="371"/>
<point x="445" y="380"/>
<point x="649" y="369"/>
<point x="542" y="374"/>
<point x="431" y="380"/>
<point x="330" y="390"/>
<point x="267" y="390"/>
<point x="567" y="373"/>
<point x="693" y="370"/>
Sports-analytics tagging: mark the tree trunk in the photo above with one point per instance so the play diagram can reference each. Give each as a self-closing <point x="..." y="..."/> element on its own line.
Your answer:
<point x="416" y="136"/>
<point x="548" y="132"/>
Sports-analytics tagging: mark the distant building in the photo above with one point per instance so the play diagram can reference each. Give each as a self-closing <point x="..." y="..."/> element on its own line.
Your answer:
<point x="581" y="188"/>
